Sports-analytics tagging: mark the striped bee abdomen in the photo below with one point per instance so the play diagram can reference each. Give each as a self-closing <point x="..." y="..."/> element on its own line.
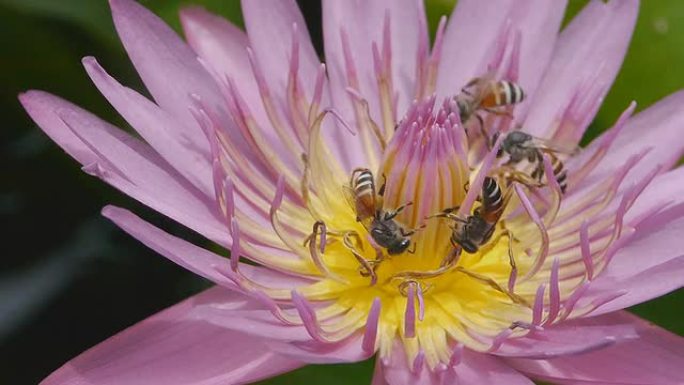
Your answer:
<point x="364" y="194"/>
<point x="511" y="93"/>
<point x="492" y="199"/>
<point x="560" y="173"/>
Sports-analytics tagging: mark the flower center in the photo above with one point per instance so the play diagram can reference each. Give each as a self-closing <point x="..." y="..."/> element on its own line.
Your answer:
<point x="431" y="289"/>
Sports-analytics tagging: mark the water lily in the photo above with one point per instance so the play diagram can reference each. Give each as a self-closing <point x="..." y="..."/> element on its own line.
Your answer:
<point x="251" y="142"/>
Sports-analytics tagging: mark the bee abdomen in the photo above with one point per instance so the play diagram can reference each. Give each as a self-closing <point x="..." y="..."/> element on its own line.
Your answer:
<point x="509" y="93"/>
<point x="364" y="185"/>
<point x="560" y="173"/>
<point x="492" y="199"/>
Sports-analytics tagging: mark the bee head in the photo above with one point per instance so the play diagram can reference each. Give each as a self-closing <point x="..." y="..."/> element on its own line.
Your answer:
<point x="399" y="247"/>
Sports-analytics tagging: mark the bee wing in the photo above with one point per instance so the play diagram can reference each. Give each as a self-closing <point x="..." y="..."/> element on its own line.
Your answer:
<point x="477" y="87"/>
<point x="550" y="146"/>
<point x="349" y="196"/>
<point x="362" y="217"/>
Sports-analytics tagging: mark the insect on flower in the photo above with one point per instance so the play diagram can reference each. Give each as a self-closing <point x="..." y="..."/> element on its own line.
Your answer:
<point x="222" y="155"/>
<point x="519" y="146"/>
<point x="381" y="224"/>
<point x="487" y="94"/>
<point x="475" y="230"/>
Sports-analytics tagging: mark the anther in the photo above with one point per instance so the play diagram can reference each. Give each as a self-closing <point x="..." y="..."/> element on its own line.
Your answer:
<point x="499" y="339"/>
<point x="538" y="308"/>
<point x="418" y="362"/>
<point x="410" y="312"/>
<point x="371" y="331"/>
<point x="456" y="355"/>
<point x="554" y="293"/>
<point x="308" y="316"/>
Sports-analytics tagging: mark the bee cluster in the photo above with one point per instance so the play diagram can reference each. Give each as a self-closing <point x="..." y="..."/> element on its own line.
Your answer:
<point x="527" y="160"/>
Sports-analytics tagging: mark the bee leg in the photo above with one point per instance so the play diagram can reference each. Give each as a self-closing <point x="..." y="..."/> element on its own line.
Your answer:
<point x="381" y="191"/>
<point x="539" y="168"/>
<point x="391" y="214"/>
<point x="494" y="111"/>
<point x="471" y="83"/>
<point x="412" y="249"/>
<point x="483" y="131"/>
<point x="408" y="233"/>
<point x="524" y="179"/>
<point x="450" y="210"/>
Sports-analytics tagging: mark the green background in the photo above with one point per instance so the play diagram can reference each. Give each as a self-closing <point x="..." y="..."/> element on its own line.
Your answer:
<point x="49" y="202"/>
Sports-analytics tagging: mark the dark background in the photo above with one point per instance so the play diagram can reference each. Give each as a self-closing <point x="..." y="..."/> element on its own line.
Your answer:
<point x="69" y="279"/>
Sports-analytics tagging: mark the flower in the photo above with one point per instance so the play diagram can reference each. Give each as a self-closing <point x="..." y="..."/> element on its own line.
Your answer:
<point x="252" y="142"/>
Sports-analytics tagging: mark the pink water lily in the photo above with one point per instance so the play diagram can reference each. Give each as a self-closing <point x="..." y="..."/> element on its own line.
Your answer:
<point x="251" y="141"/>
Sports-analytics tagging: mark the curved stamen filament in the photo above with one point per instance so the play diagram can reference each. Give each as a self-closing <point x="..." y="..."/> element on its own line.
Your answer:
<point x="367" y="270"/>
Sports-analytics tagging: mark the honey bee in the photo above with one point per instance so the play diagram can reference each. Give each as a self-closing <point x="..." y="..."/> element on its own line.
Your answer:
<point x="472" y="232"/>
<point x="487" y="94"/>
<point x="475" y="230"/>
<point x="381" y="224"/>
<point x="519" y="146"/>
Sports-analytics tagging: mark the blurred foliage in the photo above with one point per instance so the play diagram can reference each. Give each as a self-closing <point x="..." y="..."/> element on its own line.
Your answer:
<point x="47" y="199"/>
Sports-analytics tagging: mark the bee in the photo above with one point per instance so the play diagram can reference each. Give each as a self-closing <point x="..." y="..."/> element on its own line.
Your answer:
<point x="472" y="232"/>
<point x="475" y="230"/>
<point x="487" y="94"/>
<point x="381" y="224"/>
<point x="519" y="145"/>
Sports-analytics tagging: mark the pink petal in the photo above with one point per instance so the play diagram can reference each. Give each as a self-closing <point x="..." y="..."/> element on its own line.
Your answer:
<point x="258" y="323"/>
<point x="591" y="48"/>
<point x="474" y="28"/>
<point x="474" y="369"/>
<point x="363" y="22"/>
<point x="270" y="29"/>
<point x="167" y="66"/>
<point x="379" y="374"/>
<point x="314" y="352"/>
<point x="159" y="128"/>
<point x="175" y="347"/>
<point x="650" y="265"/>
<point x="222" y="44"/>
<point x="124" y="162"/>
<point x="569" y="338"/>
<point x="189" y="256"/>
<point x="223" y="47"/>
<point x="665" y="190"/>
<point x="656" y="357"/>
<point x="657" y="128"/>
<point x="539" y="28"/>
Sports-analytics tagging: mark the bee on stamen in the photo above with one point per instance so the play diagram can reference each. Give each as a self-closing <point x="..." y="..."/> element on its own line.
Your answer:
<point x="476" y="230"/>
